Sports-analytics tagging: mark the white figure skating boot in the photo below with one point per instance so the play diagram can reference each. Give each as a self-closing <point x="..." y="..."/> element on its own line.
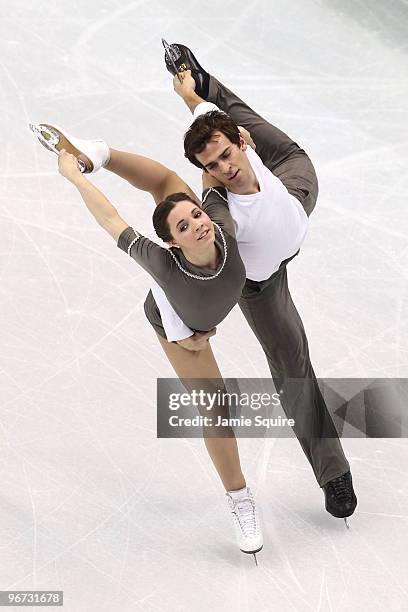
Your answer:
<point x="91" y="154"/>
<point x="246" y="522"/>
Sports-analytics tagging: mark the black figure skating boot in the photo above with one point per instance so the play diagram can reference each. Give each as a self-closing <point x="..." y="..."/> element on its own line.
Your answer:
<point x="341" y="501"/>
<point x="179" y="58"/>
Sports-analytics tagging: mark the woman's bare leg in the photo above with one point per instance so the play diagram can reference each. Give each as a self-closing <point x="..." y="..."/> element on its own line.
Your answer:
<point x="223" y="451"/>
<point x="147" y="175"/>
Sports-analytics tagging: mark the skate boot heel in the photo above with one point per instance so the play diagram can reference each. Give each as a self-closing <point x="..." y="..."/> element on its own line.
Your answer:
<point x="50" y="138"/>
<point x="91" y="154"/>
<point x="173" y="57"/>
<point x="179" y="58"/>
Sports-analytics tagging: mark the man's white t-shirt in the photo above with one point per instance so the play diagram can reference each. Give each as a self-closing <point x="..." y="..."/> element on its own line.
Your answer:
<point x="271" y="225"/>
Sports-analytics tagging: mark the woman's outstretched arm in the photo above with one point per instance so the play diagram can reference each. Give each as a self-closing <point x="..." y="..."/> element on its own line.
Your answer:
<point x="153" y="258"/>
<point x="104" y="212"/>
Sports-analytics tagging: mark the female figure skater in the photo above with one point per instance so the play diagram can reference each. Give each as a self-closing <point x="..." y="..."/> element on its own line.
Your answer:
<point x="201" y="274"/>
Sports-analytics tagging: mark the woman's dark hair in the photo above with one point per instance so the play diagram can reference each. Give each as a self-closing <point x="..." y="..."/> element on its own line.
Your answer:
<point x="202" y="129"/>
<point x="162" y="212"/>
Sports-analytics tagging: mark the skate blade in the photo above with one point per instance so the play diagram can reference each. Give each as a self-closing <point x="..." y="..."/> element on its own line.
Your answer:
<point x="50" y="137"/>
<point x="171" y="56"/>
<point x="347" y="525"/>
<point x="171" y="52"/>
<point x="47" y="136"/>
<point x="253" y="552"/>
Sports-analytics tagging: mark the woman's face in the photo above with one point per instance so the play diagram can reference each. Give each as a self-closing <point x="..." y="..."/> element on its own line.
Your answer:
<point x="190" y="227"/>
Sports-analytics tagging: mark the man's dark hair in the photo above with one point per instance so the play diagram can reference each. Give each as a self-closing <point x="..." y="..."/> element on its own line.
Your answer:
<point x="201" y="131"/>
<point x="162" y="212"/>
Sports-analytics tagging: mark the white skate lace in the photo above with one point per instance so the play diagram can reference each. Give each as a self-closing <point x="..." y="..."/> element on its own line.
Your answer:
<point x="244" y="510"/>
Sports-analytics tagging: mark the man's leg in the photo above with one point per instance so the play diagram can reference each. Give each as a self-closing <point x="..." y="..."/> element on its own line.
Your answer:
<point x="278" y="152"/>
<point x="268" y="306"/>
<point x="271" y="313"/>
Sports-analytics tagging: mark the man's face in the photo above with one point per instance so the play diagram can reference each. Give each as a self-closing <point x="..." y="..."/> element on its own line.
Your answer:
<point x="228" y="163"/>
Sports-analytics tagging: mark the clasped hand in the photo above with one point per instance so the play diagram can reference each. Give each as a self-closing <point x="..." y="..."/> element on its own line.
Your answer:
<point x="198" y="341"/>
<point x="68" y="166"/>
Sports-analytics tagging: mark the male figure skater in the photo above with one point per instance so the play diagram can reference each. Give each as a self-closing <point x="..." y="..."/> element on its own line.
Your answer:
<point x="271" y="220"/>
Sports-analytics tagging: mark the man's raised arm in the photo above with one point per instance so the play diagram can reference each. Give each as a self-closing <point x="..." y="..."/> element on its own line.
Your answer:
<point x="186" y="90"/>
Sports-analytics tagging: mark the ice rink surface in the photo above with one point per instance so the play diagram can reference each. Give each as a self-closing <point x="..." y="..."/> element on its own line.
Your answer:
<point x="91" y="502"/>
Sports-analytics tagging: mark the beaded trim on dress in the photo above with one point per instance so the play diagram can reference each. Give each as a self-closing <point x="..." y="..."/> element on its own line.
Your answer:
<point x="190" y="274"/>
<point x="204" y="278"/>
